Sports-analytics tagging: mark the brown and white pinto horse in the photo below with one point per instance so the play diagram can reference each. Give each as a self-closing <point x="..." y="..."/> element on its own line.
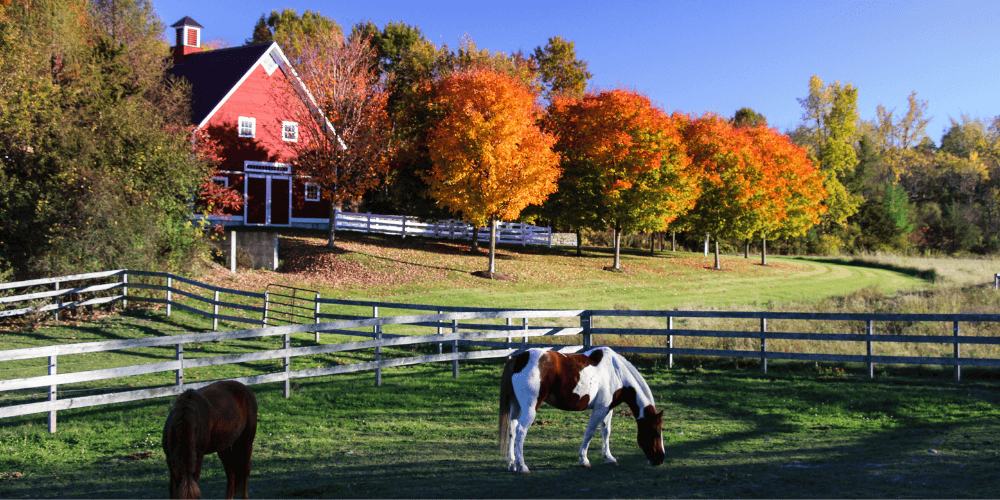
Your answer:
<point x="220" y="418"/>
<point x="599" y="379"/>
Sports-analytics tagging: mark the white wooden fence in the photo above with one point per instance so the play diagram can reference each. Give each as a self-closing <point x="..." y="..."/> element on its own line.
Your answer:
<point x="455" y="326"/>
<point x="517" y="233"/>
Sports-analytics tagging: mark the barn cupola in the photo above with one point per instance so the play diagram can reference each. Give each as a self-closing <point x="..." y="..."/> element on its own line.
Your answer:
<point x="188" y="39"/>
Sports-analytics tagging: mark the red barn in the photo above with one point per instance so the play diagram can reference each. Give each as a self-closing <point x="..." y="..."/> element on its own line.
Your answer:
<point x="251" y="100"/>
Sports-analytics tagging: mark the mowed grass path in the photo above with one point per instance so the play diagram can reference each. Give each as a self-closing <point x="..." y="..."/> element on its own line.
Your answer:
<point x="438" y="272"/>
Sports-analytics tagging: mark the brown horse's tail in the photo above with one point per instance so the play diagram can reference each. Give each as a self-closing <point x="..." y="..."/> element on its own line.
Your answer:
<point x="179" y="446"/>
<point x="506" y="398"/>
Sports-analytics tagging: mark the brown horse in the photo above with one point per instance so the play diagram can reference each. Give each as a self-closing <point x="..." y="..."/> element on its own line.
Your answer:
<point x="599" y="380"/>
<point x="220" y="418"/>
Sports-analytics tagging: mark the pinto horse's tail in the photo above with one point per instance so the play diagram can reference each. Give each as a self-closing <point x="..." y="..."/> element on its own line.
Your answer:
<point x="506" y="397"/>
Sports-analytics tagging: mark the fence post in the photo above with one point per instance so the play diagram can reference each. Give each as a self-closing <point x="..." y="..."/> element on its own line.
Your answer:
<point x="958" y="354"/>
<point x="549" y="231"/>
<point x="763" y="345"/>
<point x="585" y="320"/>
<point x="170" y="285"/>
<point x="53" y="369"/>
<point x="510" y="323"/>
<point x="215" y="312"/>
<point x="404" y="227"/>
<point x="288" y="365"/>
<point x="267" y="299"/>
<point x="996" y="281"/>
<point x="454" y="349"/>
<point x="316" y="316"/>
<point x="58" y="302"/>
<point x="125" y="290"/>
<point x="670" y="342"/>
<point x="368" y="226"/>
<point x="377" y="336"/>
<point x="440" y="332"/>
<point x="868" y="333"/>
<point x="524" y="326"/>
<point x="524" y="234"/>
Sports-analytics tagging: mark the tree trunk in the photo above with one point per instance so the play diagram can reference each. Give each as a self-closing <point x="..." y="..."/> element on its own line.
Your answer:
<point x="618" y="249"/>
<point x="475" y="239"/>
<point x="493" y="247"/>
<point x="332" y="241"/>
<point x="706" y="243"/>
<point x="718" y="266"/>
<point x="652" y="243"/>
<point x="746" y="250"/>
<point x="673" y="241"/>
<point x="763" y="250"/>
<point x="579" y="244"/>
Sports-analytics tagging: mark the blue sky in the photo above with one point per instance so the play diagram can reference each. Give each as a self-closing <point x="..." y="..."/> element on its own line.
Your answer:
<point x="698" y="56"/>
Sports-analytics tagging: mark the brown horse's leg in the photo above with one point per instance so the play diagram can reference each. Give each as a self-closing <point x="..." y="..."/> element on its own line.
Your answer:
<point x="231" y="465"/>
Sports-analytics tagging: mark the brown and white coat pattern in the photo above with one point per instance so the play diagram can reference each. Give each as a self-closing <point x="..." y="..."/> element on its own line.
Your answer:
<point x="599" y="380"/>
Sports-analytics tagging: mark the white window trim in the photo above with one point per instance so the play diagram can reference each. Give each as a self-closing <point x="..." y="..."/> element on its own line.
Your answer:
<point x="222" y="180"/>
<point x="269" y="64"/>
<point x="253" y="126"/>
<point x="318" y="192"/>
<point x="286" y="139"/>
<point x="266" y="167"/>
<point x="197" y="36"/>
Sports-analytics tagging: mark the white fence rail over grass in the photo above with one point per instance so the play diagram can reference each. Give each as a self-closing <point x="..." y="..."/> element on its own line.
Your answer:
<point x="475" y="328"/>
<point x="517" y="233"/>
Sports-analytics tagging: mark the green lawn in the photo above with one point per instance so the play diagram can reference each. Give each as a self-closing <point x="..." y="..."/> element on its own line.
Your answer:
<point x="728" y="433"/>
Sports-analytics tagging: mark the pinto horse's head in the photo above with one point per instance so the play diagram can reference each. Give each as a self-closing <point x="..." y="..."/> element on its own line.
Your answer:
<point x="650" y="434"/>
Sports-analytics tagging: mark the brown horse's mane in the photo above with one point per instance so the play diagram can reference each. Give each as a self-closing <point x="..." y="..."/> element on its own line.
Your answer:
<point x="185" y="411"/>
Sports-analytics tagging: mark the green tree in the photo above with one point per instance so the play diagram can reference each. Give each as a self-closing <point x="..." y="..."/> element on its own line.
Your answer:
<point x="562" y="73"/>
<point x="294" y="32"/>
<point x="746" y="117"/>
<point x="86" y="152"/>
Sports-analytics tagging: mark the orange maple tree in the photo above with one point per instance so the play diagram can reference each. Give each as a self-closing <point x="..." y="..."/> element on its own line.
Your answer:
<point x="624" y="164"/>
<point x="795" y="198"/>
<point x="490" y="159"/>
<point x="754" y="181"/>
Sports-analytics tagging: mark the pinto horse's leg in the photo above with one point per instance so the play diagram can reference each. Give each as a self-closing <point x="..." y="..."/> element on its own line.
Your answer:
<point x="595" y="420"/>
<point x="523" y="424"/>
<point x="515" y="412"/>
<point x="606" y="439"/>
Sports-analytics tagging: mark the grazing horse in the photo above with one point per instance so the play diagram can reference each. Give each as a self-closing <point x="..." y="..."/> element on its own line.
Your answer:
<point x="220" y="418"/>
<point x="599" y="379"/>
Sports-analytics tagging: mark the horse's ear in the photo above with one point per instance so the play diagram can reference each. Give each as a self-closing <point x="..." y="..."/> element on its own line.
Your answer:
<point x="660" y="415"/>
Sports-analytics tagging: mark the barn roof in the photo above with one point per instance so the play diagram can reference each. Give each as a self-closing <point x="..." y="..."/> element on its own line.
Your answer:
<point x="215" y="73"/>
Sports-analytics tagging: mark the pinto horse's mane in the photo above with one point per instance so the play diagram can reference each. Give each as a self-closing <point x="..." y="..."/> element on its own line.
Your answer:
<point x="635" y="377"/>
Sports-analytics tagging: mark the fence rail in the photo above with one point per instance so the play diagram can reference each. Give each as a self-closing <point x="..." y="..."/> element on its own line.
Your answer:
<point x="468" y="327"/>
<point x="518" y="233"/>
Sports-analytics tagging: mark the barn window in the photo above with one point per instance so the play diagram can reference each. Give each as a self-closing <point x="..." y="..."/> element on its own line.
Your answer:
<point x="290" y="131"/>
<point x="247" y="127"/>
<point x="312" y="191"/>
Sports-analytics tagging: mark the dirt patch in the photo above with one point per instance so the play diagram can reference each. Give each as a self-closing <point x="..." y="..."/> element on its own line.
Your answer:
<point x="494" y="276"/>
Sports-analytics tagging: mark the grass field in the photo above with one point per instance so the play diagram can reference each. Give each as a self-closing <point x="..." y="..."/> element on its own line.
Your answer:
<point x="728" y="433"/>
<point x="803" y="430"/>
